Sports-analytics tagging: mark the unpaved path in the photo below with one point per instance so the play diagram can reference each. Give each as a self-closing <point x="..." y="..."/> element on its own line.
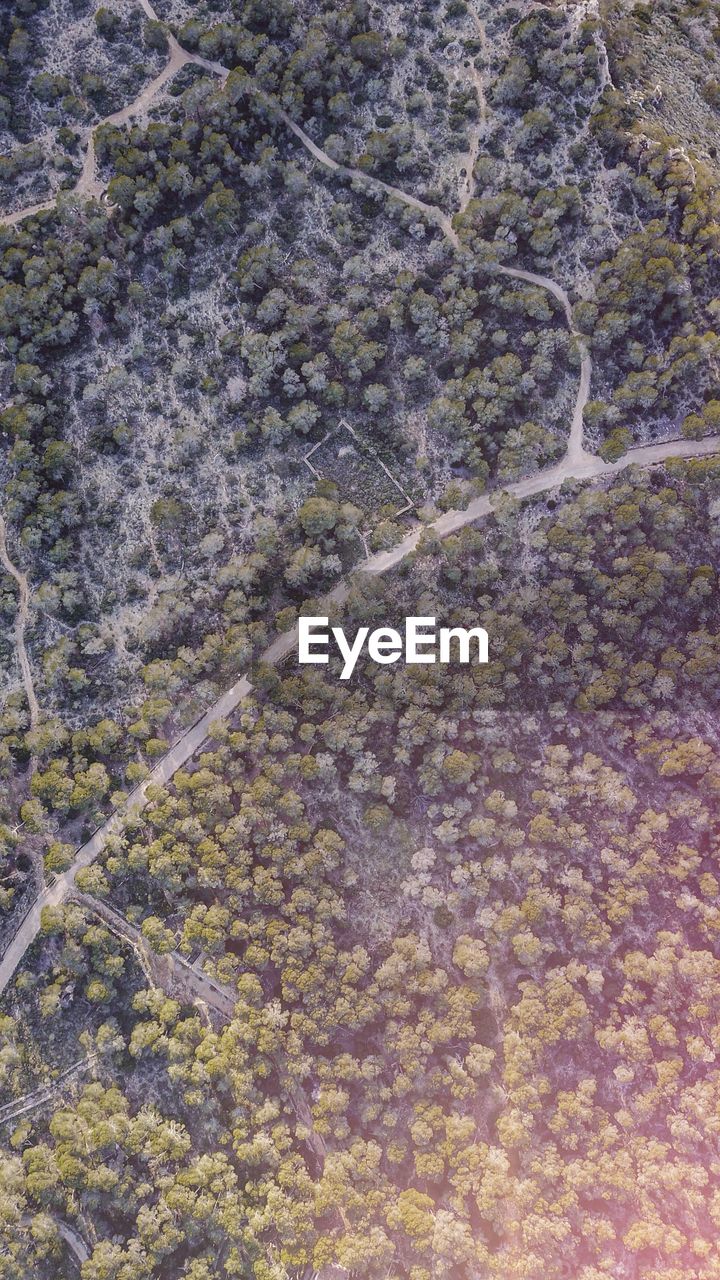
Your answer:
<point x="588" y="467"/>
<point x="576" y="452"/>
<point x="89" y="185"/>
<point x="577" y="464"/>
<point x="187" y="745"/>
<point x="45" y="1092"/>
<point x="467" y="190"/>
<point x="21" y="618"/>
<point x="73" y="1240"/>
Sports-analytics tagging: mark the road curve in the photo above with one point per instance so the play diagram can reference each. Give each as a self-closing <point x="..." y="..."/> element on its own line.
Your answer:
<point x="189" y="742"/>
<point x="576" y="451"/>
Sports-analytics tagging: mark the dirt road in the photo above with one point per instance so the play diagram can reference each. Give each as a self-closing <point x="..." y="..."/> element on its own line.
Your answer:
<point x="577" y="464"/>
<point x="189" y="743"/>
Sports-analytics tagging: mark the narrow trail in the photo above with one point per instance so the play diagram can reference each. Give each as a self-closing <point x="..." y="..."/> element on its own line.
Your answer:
<point x="21" y="618"/>
<point x="576" y="453"/>
<point x="576" y="464"/>
<point x="44" y="1093"/>
<point x="72" y="1238"/>
<point x="431" y="211"/>
<point x="186" y="746"/>
<point x="476" y="133"/>
<point x="89" y="186"/>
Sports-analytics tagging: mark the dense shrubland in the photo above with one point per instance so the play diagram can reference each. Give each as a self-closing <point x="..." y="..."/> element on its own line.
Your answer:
<point x="471" y="919"/>
<point x="470" y="916"/>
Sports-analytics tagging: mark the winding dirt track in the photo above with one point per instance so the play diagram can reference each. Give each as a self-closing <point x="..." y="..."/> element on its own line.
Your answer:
<point x="88" y="185"/>
<point x="577" y="464"/>
<point x="189" y="743"/>
<point x="576" y="453"/>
